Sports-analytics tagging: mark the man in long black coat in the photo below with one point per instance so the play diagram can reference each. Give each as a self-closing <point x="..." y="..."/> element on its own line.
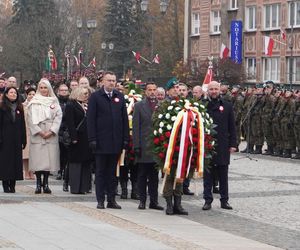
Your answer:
<point x="221" y="112"/>
<point x="108" y="134"/>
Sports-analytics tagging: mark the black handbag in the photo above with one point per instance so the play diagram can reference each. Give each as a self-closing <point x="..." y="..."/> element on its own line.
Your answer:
<point x="66" y="138"/>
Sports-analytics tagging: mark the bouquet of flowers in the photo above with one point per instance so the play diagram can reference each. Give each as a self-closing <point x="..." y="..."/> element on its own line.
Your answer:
<point x="183" y="139"/>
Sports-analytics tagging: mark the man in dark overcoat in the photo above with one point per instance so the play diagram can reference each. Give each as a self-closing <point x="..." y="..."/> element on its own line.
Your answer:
<point x="108" y="134"/>
<point x="141" y="130"/>
<point x="222" y="114"/>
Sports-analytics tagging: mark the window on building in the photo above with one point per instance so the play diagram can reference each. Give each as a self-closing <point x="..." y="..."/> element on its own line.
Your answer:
<point x="215" y="20"/>
<point x="195" y="24"/>
<point x="294" y="14"/>
<point x="251" y="68"/>
<point x="271" y="69"/>
<point x="272" y="16"/>
<point x="251" y="18"/>
<point x="295" y="69"/>
<point x="233" y="4"/>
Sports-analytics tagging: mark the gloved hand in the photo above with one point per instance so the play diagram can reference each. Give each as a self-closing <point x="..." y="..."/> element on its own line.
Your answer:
<point x="137" y="152"/>
<point x="93" y="145"/>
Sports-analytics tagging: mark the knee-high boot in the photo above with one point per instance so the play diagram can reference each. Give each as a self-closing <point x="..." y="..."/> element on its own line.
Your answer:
<point x="46" y="188"/>
<point x="38" y="175"/>
<point x="178" y="209"/>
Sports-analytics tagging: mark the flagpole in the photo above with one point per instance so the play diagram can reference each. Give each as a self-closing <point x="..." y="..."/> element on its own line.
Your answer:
<point x="275" y="40"/>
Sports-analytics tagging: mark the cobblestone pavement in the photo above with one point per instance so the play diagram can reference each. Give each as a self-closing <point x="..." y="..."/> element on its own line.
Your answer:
<point x="265" y="195"/>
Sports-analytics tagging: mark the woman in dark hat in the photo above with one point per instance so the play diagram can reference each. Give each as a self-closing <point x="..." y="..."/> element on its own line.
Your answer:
<point x="12" y="139"/>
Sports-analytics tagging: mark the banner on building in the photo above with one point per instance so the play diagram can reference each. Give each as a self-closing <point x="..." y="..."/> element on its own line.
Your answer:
<point x="236" y="41"/>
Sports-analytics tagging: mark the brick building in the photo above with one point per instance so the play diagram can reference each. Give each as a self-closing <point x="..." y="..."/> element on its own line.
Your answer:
<point x="208" y="25"/>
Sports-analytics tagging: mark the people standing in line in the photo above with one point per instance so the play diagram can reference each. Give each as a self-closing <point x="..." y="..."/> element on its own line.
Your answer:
<point x="73" y="85"/>
<point x="63" y="98"/>
<point x="221" y="112"/>
<point x="80" y="155"/>
<point x="12" y="139"/>
<point x="141" y="129"/>
<point x="108" y="134"/>
<point x="28" y="175"/>
<point x="44" y="119"/>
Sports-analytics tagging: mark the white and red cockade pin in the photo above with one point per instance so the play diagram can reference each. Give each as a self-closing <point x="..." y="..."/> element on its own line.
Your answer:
<point x="116" y="99"/>
<point x="221" y="108"/>
<point x="52" y="106"/>
<point x="18" y="112"/>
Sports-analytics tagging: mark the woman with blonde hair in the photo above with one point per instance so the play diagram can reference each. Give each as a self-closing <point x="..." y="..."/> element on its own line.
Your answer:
<point x="44" y="119"/>
<point x="80" y="155"/>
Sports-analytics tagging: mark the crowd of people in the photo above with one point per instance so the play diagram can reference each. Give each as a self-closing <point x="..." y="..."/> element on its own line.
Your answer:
<point x="76" y="130"/>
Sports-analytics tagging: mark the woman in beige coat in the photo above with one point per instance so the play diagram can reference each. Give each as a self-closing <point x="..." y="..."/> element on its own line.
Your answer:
<point x="44" y="118"/>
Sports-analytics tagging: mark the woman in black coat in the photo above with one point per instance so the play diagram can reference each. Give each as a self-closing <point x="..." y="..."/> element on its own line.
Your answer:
<point x="80" y="155"/>
<point x="12" y="139"/>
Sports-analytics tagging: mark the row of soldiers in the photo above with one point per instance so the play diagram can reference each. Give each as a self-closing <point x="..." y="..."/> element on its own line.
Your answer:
<point x="268" y="114"/>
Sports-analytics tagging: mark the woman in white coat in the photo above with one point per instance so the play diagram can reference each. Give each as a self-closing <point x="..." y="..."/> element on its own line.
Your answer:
<point x="44" y="118"/>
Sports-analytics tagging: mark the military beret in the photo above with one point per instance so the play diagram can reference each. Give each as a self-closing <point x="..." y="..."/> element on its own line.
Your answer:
<point x="170" y="84"/>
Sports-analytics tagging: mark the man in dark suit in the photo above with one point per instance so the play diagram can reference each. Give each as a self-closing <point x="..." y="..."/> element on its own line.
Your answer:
<point x="141" y="129"/>
<point x="108" y="134"/>
<point x="221" y="112"/>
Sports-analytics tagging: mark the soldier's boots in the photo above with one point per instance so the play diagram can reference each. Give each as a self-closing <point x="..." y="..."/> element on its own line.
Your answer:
<point x="297" y="156"/>
<point x="178" y="209"/>
<point x="169" y="209"/>
<point x="270" y="151"/>
<point x="248" y="149"/>
<point x="287" y="153"/>
<point x="278" y="153"/>
<point x="124" y="192"/>
<point x="258" y="150"/>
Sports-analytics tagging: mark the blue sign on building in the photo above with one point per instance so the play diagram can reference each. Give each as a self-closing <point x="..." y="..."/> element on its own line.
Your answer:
<point x="236" y="41"/>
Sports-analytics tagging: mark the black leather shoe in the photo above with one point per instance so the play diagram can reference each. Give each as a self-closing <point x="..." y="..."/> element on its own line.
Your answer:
<point x="65" y="187"/>
<point x="46" y="190"/>
<point x="225" y="205"/>
<point x="59" y="176"/>
<point x="155" y="206"/>
<point x="100" y="205"/>
<point x="206" y="206"/>
<point x="187" y="192"/>
<point x="142" y="205"/>
<point x="12" y="190"/>
<point x="216" y="190"/>
<point x="38" y="190"/>
<point x="113" y="205"/>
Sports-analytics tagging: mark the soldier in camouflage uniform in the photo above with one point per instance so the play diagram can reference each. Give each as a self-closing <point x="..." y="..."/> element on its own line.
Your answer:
<point x="248" y="101"/>
<point x="289" y="143"/>
<point x="225" y="93"/>
<point x="267" y="117"/>
<point x="296" y="124"/>
<point x="237" y="102"/>
<point x="276" y="122"/>
<point x="256" y="130"/>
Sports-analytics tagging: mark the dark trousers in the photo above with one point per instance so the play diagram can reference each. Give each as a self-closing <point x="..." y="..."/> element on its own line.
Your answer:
<point x="105" y="176"/>
<point x="63" y="158"/>
<point x="186" y="183"/>
<point x="129" y="169"/>
<point x="208" y="181"/>
<point x="148" y="174"/>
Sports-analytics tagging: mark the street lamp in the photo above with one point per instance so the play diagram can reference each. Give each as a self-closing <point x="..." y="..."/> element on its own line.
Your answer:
<point x="162" y="6"/>
<point x="107" y="48"/>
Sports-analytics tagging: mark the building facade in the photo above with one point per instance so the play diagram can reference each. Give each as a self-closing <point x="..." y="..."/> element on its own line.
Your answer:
<point x="208" y="25"/>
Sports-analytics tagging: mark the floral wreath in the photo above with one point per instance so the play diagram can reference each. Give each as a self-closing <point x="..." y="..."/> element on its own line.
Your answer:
<point x="182" y="138"/>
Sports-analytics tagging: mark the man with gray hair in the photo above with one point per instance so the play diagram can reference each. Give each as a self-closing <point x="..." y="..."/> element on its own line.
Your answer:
<point x="11" y="82"/>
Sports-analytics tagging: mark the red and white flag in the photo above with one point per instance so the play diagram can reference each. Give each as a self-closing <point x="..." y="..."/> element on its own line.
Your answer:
<point x="224" y="52"/>
<point x="156" y="59"/>
<point x="208" y="78"/>
<point x="93" y="62"/>
<point x="137" y="56"/>
<point x="76" y="60"/>
<point x="269" y="44"/>
<point x="282" y="34"/>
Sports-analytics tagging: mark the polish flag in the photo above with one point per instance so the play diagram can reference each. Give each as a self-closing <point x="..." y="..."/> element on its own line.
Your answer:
<point x="269" y="44"/>
<point x="156" y="59"/>
<point x="282" y="34"/>
<point x="76" y="60"/>
<point x="93" y="62"/>
<point x="137" y="56"/>
<point x="208" y="78"/>
<point x="224" y="52"/>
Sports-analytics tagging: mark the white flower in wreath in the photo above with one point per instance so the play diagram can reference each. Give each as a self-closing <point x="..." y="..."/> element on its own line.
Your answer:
<point x="160" y="130"/>
<point x="127" y="105"/>
<point x="126" y="97"/>
<point x="170" y="107"/>
<point x="181" y="100"/>
<point x="196" y="104"/>
<point x="213" y="143"/>
<point x="173" y="119"/>
<point x="211" y="120"/>
<point x="207" y="115"/>
<point x="169" y="127"/>
<point x="202" y="114"/>
<point x="167" y="116"/>
<point x="177" y="108"/>
<point x="207" y="131"/>
<point x="161" y="124"/>
<point x="138" y="99"/>
<point x="132" y="92"/>
<point x="173" y="101"/>
<point x="202" y="106"/>
<point x="155" y="132"/>
<point x="160" y="116"/>
<point x="196" y="109"/>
